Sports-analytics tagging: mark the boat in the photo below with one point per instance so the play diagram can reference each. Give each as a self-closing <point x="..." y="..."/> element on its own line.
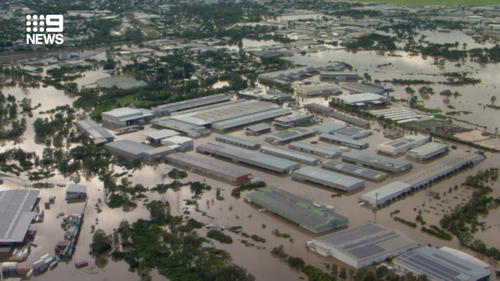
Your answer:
<point x="81" y="264"/>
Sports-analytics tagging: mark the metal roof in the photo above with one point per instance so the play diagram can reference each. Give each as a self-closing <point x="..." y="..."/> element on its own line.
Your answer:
<point x="379" y="160"/>
<point x="160" y="134"/>
<point x="349" y="119"/>
<point x="353" y="133"/>
<point x="328" y="128"/>
<point x="305" y="213"/>
<point x="293" y="118"/>
<point x="320" y="176"/>
<point x="407" y="140"/>
<point x="16" y="214"/>
<point x="120" y="82"/>
<point x="289" y="154"/>
<point x="354" y="170"/>
<point x="259" y="127"/>
<point x="385" y="191"/>
<point x="128" y="113"/>
<point x="76" y="188"/>
<point x="290" y="134"/>
<point x="228" y="138"/>
<point x="249" y="119"/>
<point x="208" y="164"/>
<point x="129" y="146"/>
<point x="343" y="140"/>
<point x="192" y="103"/>
<point x="95" y="130"/>
<point x="367" y="241"/>
<point x="356" y="98"/>
<point x="428" y="149"/>
<point x="440" y="265"/>
<point x="362" y="88"/>
<point x="332" y="153"/>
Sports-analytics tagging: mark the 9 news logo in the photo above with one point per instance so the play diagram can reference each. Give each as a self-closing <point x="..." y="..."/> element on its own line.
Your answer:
<point x="44" y="30"/>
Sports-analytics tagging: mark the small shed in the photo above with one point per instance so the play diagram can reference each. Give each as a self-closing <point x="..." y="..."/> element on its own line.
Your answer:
<point x="258" y="129"/>
<point x="75" y="191"/>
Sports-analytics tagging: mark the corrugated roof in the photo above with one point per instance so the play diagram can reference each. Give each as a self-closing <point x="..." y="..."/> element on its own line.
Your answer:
<point x="375" y="159"/>
<point x="129" y="146"/>
<point x="249" y="119"/>
<point x="209" y="164"/>
<point x="16" y="214"/>
<point x="318" y="175"/>
<point x="238" y="141"/>
<point x="290" y="134"/>
<point x="354" y="170"/>
<point x="342" y="139"/>
<point x="328" y="128"/>
<point x="94" y="129"/>
<point x="192" y="103"/>
<point x="259" y="127"/>
<point x="427" y="149"/>
<point x="316" y="148"/>
<point x="286" y="153"/>
<point x="76" y="188"/>
<point x="160" y="134"/>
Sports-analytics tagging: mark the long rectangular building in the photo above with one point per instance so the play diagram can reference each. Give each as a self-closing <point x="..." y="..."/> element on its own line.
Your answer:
<point x="237" y="142"/>
<point x="290" y="135"/>
<point x="328" y="179"/>
<point x="353" y="133"/>
<point x="313" y="107"/>
<point x="360" y="100"/>
<point x="439" y="265"/>
<point x="377" y="162"/>
<point x="96" y="132"/>
<point x="402" y="145"/>
<point x="250" y="119"/>
<point x="428" y="151"/>
<point x="354" y="170"/>
<point x="293" y="120"/>
<point x="315" y="149"/>
<point x="343" y="141"/>
<point x="290" y="155"/>
<point x="167" y="109"/>
<point x="328" y="128"/>
<point x="307" y="214"/>
<point x="16" y="214"/>
<point x="386" y="193"/>
<point x="210" y="167"/>
<point x="259" y="160"/>
<point x="364" y="245"/>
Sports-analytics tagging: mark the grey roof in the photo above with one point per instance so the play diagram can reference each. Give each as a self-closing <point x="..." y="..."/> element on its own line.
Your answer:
<point x="76" y="188"/>
<point x="189" y="129"/>
<point x="316" y="107"/>
<point x="293" y="118"/>
<point x="430" y="148"/>
<point x="408" y="140"/>
<point x="440" y="265"/>
<point x="317" y="149"/>
<point x="328" y="128"/>
<point x="354" y="170"/>
<point x="385" y="191"/>
<point x="192" y="103"/>
<point x="16" y="214"/>
<point x="362" y="88"/>
<point x="95" y="130"/>
<point x="208" y="164"/>
<point x="251" y="118"/>
<point x="353" y="133"/>
<point x="367" y="241"/>
<point x="120" y="82"/>
<point x="374" y="158"/>
<point x="228" y="138"/>
<point x="259" y="127"/>
<point x="160" y="134"/>
<point x="290" y="134"/>
<point x="330" y="112"/>
<point x="279" y="93"/>
<point x="323" y="177"/>
<point x="289" y="155"/>
<point x="129" y="146"/>
<point x="159" y="150"/>
<point x="341" y="139"/>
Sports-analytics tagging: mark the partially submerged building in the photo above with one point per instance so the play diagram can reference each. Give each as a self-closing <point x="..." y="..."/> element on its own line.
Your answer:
<point x="16" y="214"/>
<point x="75" y="191"/>
<point x="126" y="116"/>
<point x="237" y="142"/>
<point x="179" y="142"/>
<point x="210" y="167"/>
<point x="307" y="214"/>
<point x="385" y="193"/>
<point x="364" y="245"/>
<point x="94" y="131"/>
<point x="328" y="128"/>
<point x="158" y="135"/>
<point x="377" y="162"/>
<point x="313" y="107"/>
<point x="315" y="149"/>
<point x="290" y="135"/>
<point x="339" y="76"/>
<point x="343" y="141"/>
<point x="360" y="100"/>
<point x="359" y="88"/>
<point x="354" y="170"/>
<point x="128" y="148"/>
<point x="428" y="151"/>
<point x="120" y="82"/>
<point x="167" y="109"/>
<point x="290" y="155"/>
<point x="322" y="89"/>
<point x="293" y="120"/>
<point x="353" y="133"/>
<point x="439" y="265"/>
<point x="402" y="145"/>
<point x="258" y="129"/>
<point x="328" y="179"/>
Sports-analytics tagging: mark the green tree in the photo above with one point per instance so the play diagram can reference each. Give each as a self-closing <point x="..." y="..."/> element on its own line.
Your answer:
<point x="101" y="242"/>
<point x="157" y="211"/>
<point x="493" y="99"/>
<point x="343" y="273"/>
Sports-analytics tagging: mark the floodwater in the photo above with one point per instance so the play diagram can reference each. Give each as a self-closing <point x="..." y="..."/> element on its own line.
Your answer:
<point x="234" y="212"/>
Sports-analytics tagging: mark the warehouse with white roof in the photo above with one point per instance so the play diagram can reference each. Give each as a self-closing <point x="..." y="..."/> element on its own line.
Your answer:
<point x="328" y="128"/>
<point x="16" y="214"/>
<point x="167" y="109"/>
<point x="328" y="179"/>
<point x="315" y="149"/>
<point x="361" y="100"/>
<point x="402" y="145"/>
<point x="354" y="170"/>
<point x="237" y="142"/>
<point x="428" y="151"/>
<point x="386" y="193"/>
<point x="377" y="162"/>
<point x="290" y="155"/>
<point x="96" y="132"/>
<point x="126" y="116"/>
<point x="290" y="135"/>
<point x="343" y="141"/>
<point x="364" y="245"/>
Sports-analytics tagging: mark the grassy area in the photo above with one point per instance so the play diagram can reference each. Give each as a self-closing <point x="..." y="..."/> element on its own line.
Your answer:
<point x="123" y="100"/>
<point x="421" y="3"/>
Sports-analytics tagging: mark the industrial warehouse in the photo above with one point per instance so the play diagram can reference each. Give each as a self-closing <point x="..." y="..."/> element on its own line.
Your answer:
<point x="238" y="155"/>
<point x="353" y="133"/>
<point x="249" y="119"/>
<point x="360" y="88"/>
<point x="307" y="214"/>
<point x="286" y="154"/>
<point x="313" y="107"/>
<point x="364" y="245"/>
<point x="439" y="265"/>
<point x="258" y="129"/>
<point x="354" y="170"/>
<point x="428" y="151"/>
<point x="126" y="116"/>
<point x="322" y="89"/>
<point x="16" y="214"/>
<point x="360" y="100"/>
<point x="158" y="135"/>
<point x="237" y="142"/>
<point x="402" y="145"/>
<point x="293" y="120"/>
<point x="377" y="162"/>
<point x="419" y="179"/>
<point x="96" y="132"/>
<point x="328" y="179"/>
<point x="328" y="128"/>
<point x="343" y="141"/>
<point x="315" y="149"/>
<point x="290" y="135"/>
<point x="168" y="109"/>
<point x="135" y="150"/>
<point x="210" y="167"/>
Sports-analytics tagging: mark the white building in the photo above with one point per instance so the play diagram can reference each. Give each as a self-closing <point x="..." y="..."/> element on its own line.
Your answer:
<point x="402" y="145"/>
<point x="75" y="191"/>
<point x="360" y="100"/>
<point x="364" y="245"/>
<point x="126" y="116"/>
<point x="428" y="151"/>
<point x="385" y="193"/>
<point x="183" y="143"/>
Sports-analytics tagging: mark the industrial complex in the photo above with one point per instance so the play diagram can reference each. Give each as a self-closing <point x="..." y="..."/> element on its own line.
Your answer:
<point x="126" y="116"/>
<point x="328" y="179"/>
<point x="307" y="214"/>
<point x="328" y="128"/>
<point x="313" y="107"/>
<point x="168" y="109"/>
<point x="293" y="120"/>
<point x="377" y="162"/>
<point x="290" y="155"/>
<point x="364" y="245"/>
